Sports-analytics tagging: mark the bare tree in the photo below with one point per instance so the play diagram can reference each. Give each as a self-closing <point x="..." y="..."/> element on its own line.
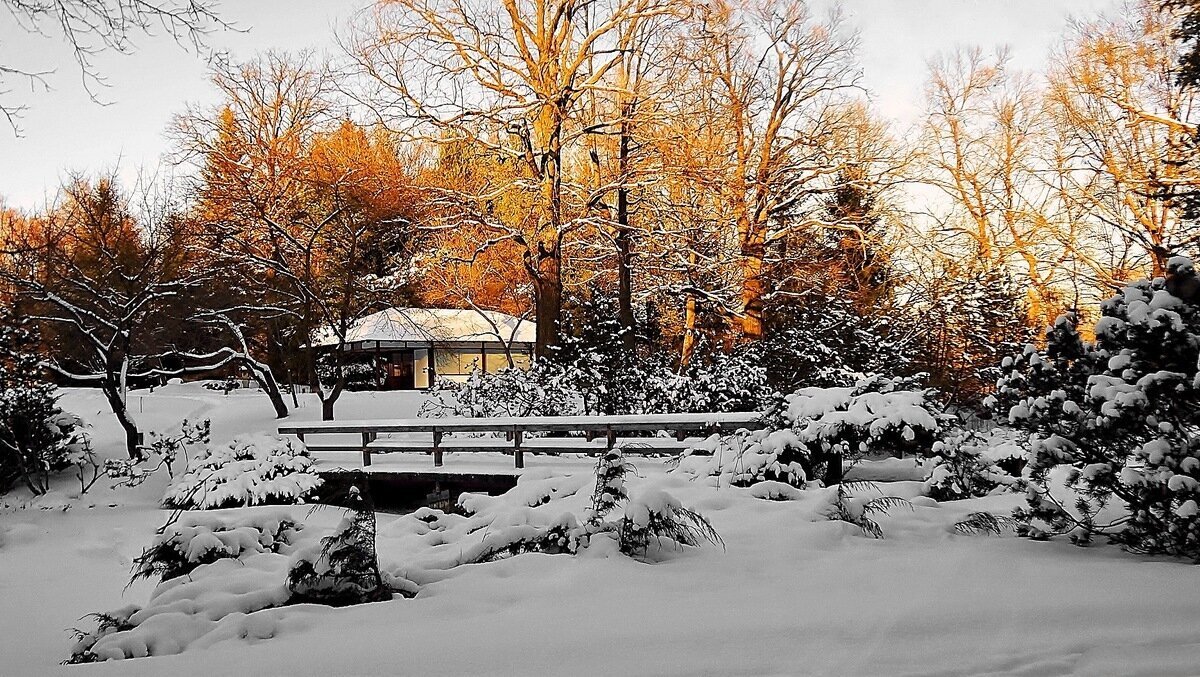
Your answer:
<point x="985" y="149"/>
<point x="300" y="208"/>
<point x="1124" y="124"/>
<point x="93" y="26"/>
<point x="509" y="77"/>
<point x="102" y="279"/>
<point x="780" y="80"/>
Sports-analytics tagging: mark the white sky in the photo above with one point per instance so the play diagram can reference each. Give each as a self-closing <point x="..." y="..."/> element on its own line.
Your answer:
<point x="64" y="130"/>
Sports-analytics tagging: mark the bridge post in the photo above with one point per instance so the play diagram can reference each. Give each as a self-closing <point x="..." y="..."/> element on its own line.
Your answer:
<point x="367" y="438"/>
<point x="437" y="448"/>
<point x="518" y="453"/>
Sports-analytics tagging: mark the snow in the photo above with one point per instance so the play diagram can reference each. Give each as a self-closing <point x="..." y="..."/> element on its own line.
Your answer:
<point x="436" y="324"/>
<point x="790" y="593"/>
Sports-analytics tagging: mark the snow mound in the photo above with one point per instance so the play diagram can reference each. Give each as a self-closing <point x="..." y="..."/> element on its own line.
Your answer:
<point x="185" y="609"/>
<point x="775" y="491"/>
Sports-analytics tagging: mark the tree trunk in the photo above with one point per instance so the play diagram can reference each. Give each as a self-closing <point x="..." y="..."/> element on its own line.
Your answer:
<point x="291" y="381"/>
<point x="548" y="288"/>
<point x="689" y="332"/>
<point x="753" y="284"/>
<point x="624" y="238"/>
<point x="266" y="380"/>
<point x="331" y="398"/>
<point x="133" y="438"/>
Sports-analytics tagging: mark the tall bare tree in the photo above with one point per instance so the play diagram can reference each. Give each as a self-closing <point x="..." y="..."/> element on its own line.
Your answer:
<point x="1125" y="123"/>
<point x="303" y="210"/>
<point x="509" y="76"/>
<point x="985" y="149"/>
<point x="102" y="278"/>
<point x="780" y="80"/>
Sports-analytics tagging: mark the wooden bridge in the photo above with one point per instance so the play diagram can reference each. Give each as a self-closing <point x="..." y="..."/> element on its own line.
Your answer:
<point x="512" y="433"/>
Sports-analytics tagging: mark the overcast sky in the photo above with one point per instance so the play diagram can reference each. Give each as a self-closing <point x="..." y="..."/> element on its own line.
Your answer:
<point x="64" y="130"/>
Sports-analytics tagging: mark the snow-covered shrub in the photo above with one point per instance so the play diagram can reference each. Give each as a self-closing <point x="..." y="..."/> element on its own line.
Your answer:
<point x="746" y="457"/>
<point x="345" y="569"/>
<point x="769" y="490"/>
<point x="37" y="438"/>
<point x="815" y="430"/>
<point x="250" y="470"/>
<point x="611" y="470"/>
<point x="203" y="538"/>
<point x="106" y="624"/>
<point x="969" y="464"/>
<point x="652" y="515"/>
<point x="217" y="570"/>
<point x="604" y="368"/>
<point x="716" y="381"/>
<point x="1122" y="414"/>
<point x="229" y="599"/>
<point x="537" y="391"/>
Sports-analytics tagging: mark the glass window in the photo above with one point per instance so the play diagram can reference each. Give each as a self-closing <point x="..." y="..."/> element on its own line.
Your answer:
<point x="497" y="359"/>
<point x="456" y="362"/>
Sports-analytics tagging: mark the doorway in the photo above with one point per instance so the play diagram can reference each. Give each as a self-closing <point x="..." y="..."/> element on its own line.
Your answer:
<point x="400" y="371"/>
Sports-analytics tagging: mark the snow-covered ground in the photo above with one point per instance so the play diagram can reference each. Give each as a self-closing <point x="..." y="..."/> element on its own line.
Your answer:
<point x="791" y="593"/>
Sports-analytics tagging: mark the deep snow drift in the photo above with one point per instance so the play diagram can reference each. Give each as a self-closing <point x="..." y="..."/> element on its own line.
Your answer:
<point x="790" y="593"/>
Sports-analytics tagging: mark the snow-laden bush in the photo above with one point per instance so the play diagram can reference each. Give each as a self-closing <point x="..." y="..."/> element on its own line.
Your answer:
<point x="746" y="457"/>
<point x="202" y="538"/>
<point x="717" y="382"/>
<point x="250" y="470"/>
<point x="969" y="464"/>
<point x="1122" y="414"/>
<point x="522" y="520"/>
<point x="217" y="569"/>
<point x="605" y="368"/>
<point x="37" y="438"/>
<point x="229" y="599"/>
<point x="537" y="391"/>
<point x="859" y="503"/>
<point x="815" y="430"/>
<point x="655" y="515"/>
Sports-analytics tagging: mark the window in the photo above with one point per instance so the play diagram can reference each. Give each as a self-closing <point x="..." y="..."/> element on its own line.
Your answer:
<point x="456" y="361"/>
<point x="497" y="359"/>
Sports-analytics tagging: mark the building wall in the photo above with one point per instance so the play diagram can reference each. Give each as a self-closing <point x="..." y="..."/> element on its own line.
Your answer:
<point x="422" y="378"/>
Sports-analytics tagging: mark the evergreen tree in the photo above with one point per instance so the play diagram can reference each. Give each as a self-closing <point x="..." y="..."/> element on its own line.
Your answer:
<point x="1122" y="414"/>
<point x="346" y="571"/>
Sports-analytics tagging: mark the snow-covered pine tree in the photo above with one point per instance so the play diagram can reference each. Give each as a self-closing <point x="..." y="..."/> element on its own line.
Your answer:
<point x="611" y="470"/>
<point x="824" y="342"/>
<point x="612" y="372"/>
<point x="1123" y="414"/>
<point x="346" y="570"/>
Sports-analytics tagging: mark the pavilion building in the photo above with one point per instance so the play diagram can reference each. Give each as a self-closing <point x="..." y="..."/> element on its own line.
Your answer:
<point x="412" y="347"/>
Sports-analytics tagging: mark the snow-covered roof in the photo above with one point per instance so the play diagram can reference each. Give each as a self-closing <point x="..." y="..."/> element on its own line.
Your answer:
<point x="435" y="324"/>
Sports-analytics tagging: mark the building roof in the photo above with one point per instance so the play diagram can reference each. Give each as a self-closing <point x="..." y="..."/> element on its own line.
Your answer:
<point x="441" y="325"/>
